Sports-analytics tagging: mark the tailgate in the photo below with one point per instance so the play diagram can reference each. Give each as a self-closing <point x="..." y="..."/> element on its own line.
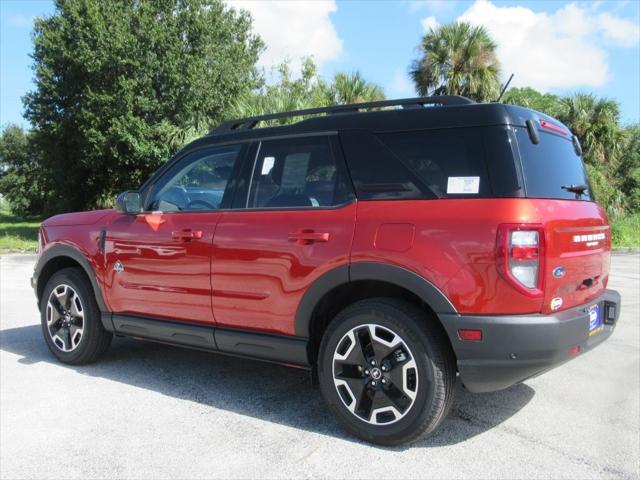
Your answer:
<point x="578" y="246"/>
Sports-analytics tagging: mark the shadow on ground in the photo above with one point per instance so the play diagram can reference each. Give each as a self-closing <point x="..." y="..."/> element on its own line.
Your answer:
<point x="261" y="390"/>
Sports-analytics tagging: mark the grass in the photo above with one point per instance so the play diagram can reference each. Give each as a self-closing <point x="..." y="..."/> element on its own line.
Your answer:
<point x="18" y="234"/>
<point x="626" y="231"/>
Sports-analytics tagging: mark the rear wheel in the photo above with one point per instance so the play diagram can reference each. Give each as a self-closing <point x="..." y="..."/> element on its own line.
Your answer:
<point x="70" y="318"/>
<point x="386" y="371"/>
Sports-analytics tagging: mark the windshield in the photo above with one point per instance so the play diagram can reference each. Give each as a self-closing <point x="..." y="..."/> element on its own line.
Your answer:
<point x="551" y="165"/>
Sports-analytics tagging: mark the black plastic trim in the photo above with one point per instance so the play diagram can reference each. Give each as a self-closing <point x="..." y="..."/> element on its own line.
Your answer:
<point x="357" y="271"/>
<point x="323" y="285"/>
<point x="407" y="279"/>
<point x="517" y="347"/>
<point x="58" y="251"/>
<point x="277" y="348"/>
<point x="165" y="331"/>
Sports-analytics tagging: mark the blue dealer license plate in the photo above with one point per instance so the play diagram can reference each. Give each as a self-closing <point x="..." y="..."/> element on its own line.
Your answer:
<point x="595" y="319"/>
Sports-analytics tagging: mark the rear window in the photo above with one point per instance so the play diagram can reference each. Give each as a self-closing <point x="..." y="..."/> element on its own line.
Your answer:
<point x="550" y="165"/>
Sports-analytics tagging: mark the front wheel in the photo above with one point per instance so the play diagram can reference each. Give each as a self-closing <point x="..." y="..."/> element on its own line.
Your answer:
<point x="386" y="371"/>
<point x="71" y="319"/>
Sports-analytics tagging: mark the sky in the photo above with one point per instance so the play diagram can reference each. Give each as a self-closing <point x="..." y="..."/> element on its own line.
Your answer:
<point x="554" y="46"/>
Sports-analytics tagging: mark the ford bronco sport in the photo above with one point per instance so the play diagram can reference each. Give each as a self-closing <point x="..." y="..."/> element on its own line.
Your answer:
<point x="388" y="247"/>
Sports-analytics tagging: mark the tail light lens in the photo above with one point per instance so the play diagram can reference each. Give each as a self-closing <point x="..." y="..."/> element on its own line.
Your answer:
<point x="520" y="256"/>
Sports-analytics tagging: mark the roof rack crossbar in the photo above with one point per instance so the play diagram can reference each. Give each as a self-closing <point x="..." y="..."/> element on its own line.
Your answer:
<point x="251" y="122"/>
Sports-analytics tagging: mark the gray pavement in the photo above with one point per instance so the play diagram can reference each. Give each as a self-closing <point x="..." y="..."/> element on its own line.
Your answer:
<point x="148" y="410"/>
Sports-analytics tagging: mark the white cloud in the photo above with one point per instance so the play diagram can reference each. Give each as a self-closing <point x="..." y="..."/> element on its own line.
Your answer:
<point x="557" y="50"/>
<point x="401" y="85"/>
<point x="292" y="30"/>
<point x="429" y="23"/>
<point x="621" y="31"/>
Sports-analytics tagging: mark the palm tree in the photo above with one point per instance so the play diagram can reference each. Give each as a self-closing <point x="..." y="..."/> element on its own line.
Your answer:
<point x="595" y="121"/>
<point x="347" y="88"/>
<point x="457" y="59"/>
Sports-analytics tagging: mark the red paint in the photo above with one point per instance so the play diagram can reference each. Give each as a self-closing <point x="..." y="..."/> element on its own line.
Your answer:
<point x="261" y="267"/>
<point x="250" y="269"/>
<point x="166" y="260"/>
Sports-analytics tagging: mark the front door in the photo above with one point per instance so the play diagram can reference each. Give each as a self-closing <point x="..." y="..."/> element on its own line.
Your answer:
<point x="158" y="262"/>
<point x="292" y="222"/>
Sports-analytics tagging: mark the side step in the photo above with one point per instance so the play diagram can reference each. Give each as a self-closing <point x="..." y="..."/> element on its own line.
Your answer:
<point x="260" y="346"/>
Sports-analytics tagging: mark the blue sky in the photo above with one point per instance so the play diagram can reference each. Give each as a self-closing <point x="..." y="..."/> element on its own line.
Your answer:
<point x="558" y="47"/>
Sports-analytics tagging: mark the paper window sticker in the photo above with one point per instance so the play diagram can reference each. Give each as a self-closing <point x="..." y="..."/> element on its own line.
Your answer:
<point x="463" y="185"/>
<point x="267" y="165"/>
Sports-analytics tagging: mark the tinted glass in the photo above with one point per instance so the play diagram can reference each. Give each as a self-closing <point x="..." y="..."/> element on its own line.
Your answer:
<point x="451" y="162"/>
<point x="549" y="165"/>
<point x="296" y="172"/>
<point x="196" y="182"/>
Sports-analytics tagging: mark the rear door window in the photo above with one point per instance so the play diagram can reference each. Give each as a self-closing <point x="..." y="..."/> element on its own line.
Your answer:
<point x="549" y="165"/>
<point x="297" y="173"/>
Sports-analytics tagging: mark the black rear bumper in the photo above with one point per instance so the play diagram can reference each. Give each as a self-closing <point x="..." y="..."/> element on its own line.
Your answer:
<point x="517" y="347"/>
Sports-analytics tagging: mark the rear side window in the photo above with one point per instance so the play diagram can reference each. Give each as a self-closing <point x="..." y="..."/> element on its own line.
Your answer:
<point x="427" y="164"/>
<point x="550" y="165"/>
<point x="297" y="173"/>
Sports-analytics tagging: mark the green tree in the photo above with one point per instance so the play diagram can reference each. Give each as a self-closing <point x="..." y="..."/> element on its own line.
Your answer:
<point x="21" y="181"/>
<point x="119" y="82"/>
<point x="347" y="88"/>
<point x="457" y="59"/>
<point x="284" y="94"/>
<point x="531" y="98"/>
<point x="307" y="91"/>
<point x="629" y="168"/>
<point x="596" y="122"/>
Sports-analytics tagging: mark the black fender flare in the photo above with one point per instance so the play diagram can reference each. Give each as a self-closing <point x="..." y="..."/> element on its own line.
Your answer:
<point x="357" y="271"/>
<point x="58" y="251"/>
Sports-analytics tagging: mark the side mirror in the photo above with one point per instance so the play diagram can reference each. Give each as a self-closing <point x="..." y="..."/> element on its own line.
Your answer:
<point x="129" y="202"/>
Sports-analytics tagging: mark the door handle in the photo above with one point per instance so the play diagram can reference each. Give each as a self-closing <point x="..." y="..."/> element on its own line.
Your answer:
<point x="307" y="237"/>
<point x="186" y="235"/>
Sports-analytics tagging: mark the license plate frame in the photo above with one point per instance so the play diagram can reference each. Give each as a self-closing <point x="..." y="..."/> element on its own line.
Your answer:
<point x="596" y="323"/>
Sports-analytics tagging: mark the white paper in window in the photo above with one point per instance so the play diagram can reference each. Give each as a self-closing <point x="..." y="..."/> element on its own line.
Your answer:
<point x="463" y="185"/>
<point x="267" y="165"/>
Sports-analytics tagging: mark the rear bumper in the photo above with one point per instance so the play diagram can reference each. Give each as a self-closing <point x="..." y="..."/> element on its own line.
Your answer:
<point x="515" y="348"/>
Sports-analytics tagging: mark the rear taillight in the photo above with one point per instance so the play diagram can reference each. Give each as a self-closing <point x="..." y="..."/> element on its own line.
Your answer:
<point x="520" y="256"/>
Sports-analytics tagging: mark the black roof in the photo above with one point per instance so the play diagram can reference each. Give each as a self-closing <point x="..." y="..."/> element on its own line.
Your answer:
<point x="415" y="114"/>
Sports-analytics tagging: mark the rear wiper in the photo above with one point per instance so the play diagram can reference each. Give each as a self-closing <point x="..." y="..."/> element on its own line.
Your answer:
<point x="578" y="189"/>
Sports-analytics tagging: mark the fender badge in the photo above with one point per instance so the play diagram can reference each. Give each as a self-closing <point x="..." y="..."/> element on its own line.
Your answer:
<point x="559" y="272"/>
<point x="118" y="266"/>
<point x="556" y="303"/>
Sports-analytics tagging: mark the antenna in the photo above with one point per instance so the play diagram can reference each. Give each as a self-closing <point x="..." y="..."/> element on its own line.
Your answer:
<point x="504" y="89"/>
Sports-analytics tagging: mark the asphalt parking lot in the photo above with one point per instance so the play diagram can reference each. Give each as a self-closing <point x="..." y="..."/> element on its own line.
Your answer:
<point x="147" y="410"/>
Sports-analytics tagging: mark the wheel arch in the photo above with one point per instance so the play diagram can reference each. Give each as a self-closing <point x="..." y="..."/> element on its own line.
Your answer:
<point x="63" y="256"/>
<point x="347" y="284"/>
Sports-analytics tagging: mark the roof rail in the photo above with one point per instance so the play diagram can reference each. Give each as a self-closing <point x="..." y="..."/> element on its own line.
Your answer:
<point x="249" y="123"/>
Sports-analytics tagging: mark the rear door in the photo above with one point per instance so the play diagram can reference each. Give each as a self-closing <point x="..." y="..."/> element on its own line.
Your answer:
<point x="292" y="222"/>
<point x="158" y="262"/>
<point x="578" y="237"/>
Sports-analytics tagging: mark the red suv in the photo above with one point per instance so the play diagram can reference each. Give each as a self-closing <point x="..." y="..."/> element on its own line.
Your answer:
<point x="387" y="247"/>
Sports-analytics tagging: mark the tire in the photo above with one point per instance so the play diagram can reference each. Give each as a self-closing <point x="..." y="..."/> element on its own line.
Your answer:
<point x="79" y="337"/>
<point x="418" y="381"/>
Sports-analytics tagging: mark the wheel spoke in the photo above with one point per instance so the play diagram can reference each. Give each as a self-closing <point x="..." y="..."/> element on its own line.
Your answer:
<point x="365" y="342"/>
<point x="365" y="403"/>
<point x="397" y="397"/>
<point x="346" y="370"/>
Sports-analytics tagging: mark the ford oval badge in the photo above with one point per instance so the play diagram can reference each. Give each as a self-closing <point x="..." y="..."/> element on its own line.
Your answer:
<point x="559" y="272"/>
